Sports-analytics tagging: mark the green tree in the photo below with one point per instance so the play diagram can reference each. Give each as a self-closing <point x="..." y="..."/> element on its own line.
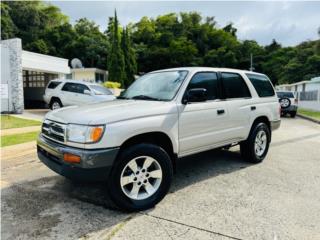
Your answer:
<point x="90" y="45"/>
<point x="129" y="58"/>
<point x="8" y="28"/>
<point x="115" y="58"/>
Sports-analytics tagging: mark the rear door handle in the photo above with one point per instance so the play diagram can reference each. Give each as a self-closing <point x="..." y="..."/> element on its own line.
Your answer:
<point x="253" y="108"/>
<point x="220" y="111"/>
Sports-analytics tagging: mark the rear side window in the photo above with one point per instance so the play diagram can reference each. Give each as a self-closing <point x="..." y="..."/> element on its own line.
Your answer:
<point x="53" y="85"/>
<point x="234" y="86"/>
<point x="285" y="95"/>
<point x="262" y="85"/>
<point x="70" y="87"/>
<point x="207" y="80"/>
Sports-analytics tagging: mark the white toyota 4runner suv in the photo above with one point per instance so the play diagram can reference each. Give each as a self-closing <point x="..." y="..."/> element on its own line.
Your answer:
<point x="132" y="143"/>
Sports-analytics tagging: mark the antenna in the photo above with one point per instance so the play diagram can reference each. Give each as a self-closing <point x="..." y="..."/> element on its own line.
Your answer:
<point x="76" y="63"/>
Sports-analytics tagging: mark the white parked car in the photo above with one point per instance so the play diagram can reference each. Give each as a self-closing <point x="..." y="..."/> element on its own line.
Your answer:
<point x="133" y="142"/>
<point x="61" y="93"/>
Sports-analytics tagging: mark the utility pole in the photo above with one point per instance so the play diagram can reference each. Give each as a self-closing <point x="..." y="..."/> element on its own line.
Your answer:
<point x="251" y="63"/>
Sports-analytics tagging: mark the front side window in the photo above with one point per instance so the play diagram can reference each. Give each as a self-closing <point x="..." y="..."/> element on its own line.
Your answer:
<point x="206" y="80"/>
<point x="262" y="84"/>
<point x="70" y="87"/>
<point x="99" y="90"/>
<point x="234" y="86"/>
<point x="81" y="88"/>
<point x="161" y="86"/>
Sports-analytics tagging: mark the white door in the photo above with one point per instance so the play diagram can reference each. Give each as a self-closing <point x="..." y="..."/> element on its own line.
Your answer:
<point x="81" y="97"/>
<point x="240" y="104"/>
<point x="68" y="94"/>
<point x="202" y="125"/>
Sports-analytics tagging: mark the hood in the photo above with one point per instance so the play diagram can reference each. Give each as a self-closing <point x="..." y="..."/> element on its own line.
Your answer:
<point x="112" y="111"/>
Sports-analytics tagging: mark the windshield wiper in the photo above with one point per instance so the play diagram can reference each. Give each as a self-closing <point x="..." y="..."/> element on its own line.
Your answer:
<point x="145" y="97"/>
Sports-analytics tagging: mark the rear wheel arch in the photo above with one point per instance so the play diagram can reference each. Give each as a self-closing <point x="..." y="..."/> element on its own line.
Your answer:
<point x="53" y="99"/>
<point x="261" y="119"/>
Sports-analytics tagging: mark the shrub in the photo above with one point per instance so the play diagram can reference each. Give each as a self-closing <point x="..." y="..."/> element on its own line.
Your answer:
<point x="109" y="84"/>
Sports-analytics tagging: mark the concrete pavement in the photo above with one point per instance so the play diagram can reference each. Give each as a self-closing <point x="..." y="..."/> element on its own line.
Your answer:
<point x="214" y="195"/>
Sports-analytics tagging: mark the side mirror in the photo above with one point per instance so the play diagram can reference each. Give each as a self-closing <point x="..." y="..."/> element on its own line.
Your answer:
<point x="195" y="95"/>
<point x="87" y="92"/>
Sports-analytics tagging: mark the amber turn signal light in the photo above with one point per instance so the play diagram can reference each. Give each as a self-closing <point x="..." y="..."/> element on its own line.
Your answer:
<point x="96" y="134"/>
<point x="71" y="158"/>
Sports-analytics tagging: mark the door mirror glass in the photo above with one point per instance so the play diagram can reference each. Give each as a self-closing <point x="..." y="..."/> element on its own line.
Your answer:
<point x="196" y="95"/>
<point x="87" y="92"/>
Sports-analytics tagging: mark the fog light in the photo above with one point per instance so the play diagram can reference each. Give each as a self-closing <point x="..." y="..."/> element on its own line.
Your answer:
<point x="71" y="158"/>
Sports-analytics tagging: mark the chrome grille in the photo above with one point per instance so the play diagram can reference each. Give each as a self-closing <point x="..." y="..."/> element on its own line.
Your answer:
<point x="53" y="130"/>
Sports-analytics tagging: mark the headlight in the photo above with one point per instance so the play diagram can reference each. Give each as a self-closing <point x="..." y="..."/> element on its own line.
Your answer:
<point x="84" y="134"/>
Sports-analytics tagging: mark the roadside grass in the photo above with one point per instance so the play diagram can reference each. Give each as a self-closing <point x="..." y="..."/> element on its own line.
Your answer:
<point x="14" y="139"/>
<point x="309" y="113"/>
<point x="8" y="121"/>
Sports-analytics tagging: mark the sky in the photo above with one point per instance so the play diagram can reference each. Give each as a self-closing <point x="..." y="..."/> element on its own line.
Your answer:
<point x="288" y="22"/>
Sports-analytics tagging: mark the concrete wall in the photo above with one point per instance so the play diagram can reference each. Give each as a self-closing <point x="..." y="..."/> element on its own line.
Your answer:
<point x="11" y="76"/>
<point x="88" y="76"/>
<point x="304" y="88"/>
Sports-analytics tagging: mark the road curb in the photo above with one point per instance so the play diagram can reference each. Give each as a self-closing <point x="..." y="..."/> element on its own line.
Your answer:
<point x="308" y="118"/>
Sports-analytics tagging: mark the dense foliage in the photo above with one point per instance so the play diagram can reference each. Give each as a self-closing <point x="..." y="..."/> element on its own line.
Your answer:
<point x="171" y="40"/>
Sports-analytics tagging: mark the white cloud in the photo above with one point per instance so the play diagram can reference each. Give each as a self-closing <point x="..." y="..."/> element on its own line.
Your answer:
<point x="288" y="22"/>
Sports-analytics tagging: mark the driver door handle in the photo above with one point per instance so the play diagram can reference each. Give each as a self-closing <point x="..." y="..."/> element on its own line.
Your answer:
<point x="220" y="111"/>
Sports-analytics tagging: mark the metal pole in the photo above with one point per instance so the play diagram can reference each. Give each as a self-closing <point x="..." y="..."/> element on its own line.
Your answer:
<point x="251" y="62"/>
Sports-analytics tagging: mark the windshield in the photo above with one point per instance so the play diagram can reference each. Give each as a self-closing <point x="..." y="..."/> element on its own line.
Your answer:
<point x="161" y="86"/>
<point x="285" y="95"/>
<point x="99" y="90"/>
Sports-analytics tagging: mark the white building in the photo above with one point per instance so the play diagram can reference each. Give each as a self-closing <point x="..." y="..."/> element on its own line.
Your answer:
<point x="24" y="76"/>
<point x="89" y="74"/>
<point x="308" y="93"/>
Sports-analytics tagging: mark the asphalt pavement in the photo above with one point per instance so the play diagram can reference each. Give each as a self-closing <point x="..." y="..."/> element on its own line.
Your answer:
<point x="214" y="195"/>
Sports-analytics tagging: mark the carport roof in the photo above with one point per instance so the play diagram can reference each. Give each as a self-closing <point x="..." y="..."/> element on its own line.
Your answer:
<point x="44" y="63"/>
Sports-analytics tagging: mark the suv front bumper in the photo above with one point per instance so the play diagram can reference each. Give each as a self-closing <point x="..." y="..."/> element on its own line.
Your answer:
<point x="95" y="164"/>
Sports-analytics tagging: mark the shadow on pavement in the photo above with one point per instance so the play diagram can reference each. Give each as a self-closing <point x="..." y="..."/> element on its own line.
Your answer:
<point x="26" y="207"/>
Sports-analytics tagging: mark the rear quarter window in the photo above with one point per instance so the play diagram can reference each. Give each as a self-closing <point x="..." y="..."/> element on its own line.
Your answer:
<point x="53" y="85"/>
<point x="285" y="95"/>
<point x="262" y="84"/>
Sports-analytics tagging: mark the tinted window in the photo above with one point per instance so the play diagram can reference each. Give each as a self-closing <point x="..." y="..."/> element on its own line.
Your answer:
<point x="262" y="85"/>
<point x="285" y="95"/>
<point x="70" y="87"/>
<point x="207" y="80"/>
<point x="99" y="90"/>
<point x="81" y="88"/>
<point x="234" y="86"/>
<point x="53" y="85"/>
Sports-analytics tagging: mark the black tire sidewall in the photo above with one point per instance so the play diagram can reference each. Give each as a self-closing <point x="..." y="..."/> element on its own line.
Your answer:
<point x="286" y="99"/>
<point x="53" y="101"/>
<point x="249" y="145"/>
<point x="258" y="128"/>
<point x="114" y="187"/>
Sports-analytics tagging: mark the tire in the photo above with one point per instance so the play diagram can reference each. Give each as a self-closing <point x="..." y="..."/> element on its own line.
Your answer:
<point x="248" y="147"/>
<point x="121" y="192"/>
<point x="55" y="104"/>
<point x="293" y="114"/>
<point x="284" y="103"/>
